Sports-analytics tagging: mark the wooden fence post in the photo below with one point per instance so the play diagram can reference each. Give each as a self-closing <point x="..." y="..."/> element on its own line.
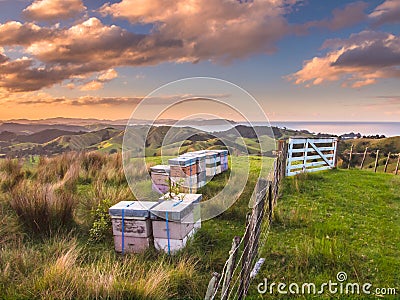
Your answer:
<point x="254" y="230"/>
<point x="271" y="202"/>
<point x="387" y="162"/>
<point x="351" y="155"/>
<point x="246" y="246"/>
<point x="397" y="165"/>
<point x="283" y="159"/>
<point x="363" y="160"/>
<point x="212" y="286"/>
<point x="230" y="266"/>
<point x="376" y="160"/>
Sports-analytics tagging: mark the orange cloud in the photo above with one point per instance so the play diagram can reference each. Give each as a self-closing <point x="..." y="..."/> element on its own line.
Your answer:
<point x="357" y="61"/>
<point x="387" y="12"/>
<point x="16" y="33"/>
<point x="216" y="30"/>
<point x="85" y="49"/>
<point x="184" y="31"/>
<point x="49" y="10"/>
<point x="98" y="83"/>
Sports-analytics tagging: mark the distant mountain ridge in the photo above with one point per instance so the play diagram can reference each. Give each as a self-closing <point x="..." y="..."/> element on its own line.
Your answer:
<point x="20" y="128"/>
<point x="40" y="138"/>
<point x="92" y="123"/>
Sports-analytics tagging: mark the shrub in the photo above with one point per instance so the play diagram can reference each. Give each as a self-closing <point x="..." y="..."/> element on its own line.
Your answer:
<point x="91" y="198"/>
<point x="101" y="227"/>
<point x="42" y="208"/>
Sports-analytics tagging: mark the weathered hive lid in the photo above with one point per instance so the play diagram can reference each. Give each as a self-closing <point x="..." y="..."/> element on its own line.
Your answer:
<point x="192" y="198"/>
<point x="176" y="209"/>
<point x="160" y="169"/>
<point x="137" y="209"/>
<point x="198" y="156"/>
<point x="199" y="152"/>
<point x="182" y="161"/>
<point x="221" y="152"/>
<point x="211" y="154"/>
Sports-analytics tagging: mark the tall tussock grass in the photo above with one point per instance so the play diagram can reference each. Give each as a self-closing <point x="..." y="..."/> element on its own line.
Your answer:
<point x="42" y="208"/>
<point x="10" y="174"/>
<point x="64" y="167"/>
<point x="64" y="270"/>
<point x="9" y="228"/>
<point x="56" y="203"/>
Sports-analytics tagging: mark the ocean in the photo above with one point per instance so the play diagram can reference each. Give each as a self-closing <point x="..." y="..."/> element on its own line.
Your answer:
<point x="337" y="128"/>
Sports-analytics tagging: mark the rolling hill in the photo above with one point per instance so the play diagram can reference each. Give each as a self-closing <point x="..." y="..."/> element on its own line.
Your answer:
<point x="18" y="140"/>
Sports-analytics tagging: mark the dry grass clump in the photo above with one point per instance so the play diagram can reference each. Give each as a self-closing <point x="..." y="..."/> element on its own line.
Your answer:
<point x="42" y="208"/>
<point x="9" y="228"/>
<point x="10" y="174"/>
<point x="68" y="274"/>
<point x="112" y="171"/>
<point x="55" y="203"/>
<point x="58" y="168"/>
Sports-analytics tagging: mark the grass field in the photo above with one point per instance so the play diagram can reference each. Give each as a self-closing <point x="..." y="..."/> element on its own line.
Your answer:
<point x="324" y="223"/>
<point x="61" y="261"/>
<point x="335" y="221"/>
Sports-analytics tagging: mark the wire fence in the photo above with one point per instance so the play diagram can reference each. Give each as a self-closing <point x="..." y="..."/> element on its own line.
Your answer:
<point x="238" y="272"/>
<point x="376" y="160"/>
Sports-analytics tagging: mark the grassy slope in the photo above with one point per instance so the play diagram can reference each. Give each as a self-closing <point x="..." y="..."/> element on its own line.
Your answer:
<point x="336" y="221"/>
<point x="385" y="146"/>
<point x="324" y="223"/>
<point x="38" y="273"/>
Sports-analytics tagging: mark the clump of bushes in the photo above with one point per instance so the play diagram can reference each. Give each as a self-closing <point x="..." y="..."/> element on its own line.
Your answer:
<point x="101" y="228"/>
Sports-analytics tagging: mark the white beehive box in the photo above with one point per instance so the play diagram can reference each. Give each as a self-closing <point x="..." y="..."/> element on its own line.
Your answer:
<point x="188" y="181"/>
<point x="211" y="171"/>
<point x="171" y="246"/>
<point x="132" y="227"/>
<point x="175" y="210"/>
<point x="173" y="230"/>
<point x="165" y="169"/>
<point x="160" y="178"/>
<point x="194" y="199"/>
<point x="200" y="160"/>
<point x="132" y="244"/>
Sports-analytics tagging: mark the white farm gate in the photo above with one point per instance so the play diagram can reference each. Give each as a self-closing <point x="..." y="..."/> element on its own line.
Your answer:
<point x="310" y="155"/>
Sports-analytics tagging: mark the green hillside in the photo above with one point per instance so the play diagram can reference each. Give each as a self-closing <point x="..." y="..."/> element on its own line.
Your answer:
<point x="335" y="221"/>
<point x="385" y="145"/>
<point x="159" y="139"/>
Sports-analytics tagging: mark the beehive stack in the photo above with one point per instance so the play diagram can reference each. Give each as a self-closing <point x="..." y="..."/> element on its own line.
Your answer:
<point x="173" y="222"/>
<point x="212" y="164"/>
<point x="160" y="176"/>
<point x="132" y="227"/>
<point x="183" y="172"/>
<point x="190" y="198"/>
<point x="189" y="171"/>
<point x="201" y="166"/>
<point x="223" y="159"/>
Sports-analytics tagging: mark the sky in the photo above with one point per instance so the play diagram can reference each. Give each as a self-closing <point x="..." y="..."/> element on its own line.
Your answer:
<point x="302" y="60"/>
